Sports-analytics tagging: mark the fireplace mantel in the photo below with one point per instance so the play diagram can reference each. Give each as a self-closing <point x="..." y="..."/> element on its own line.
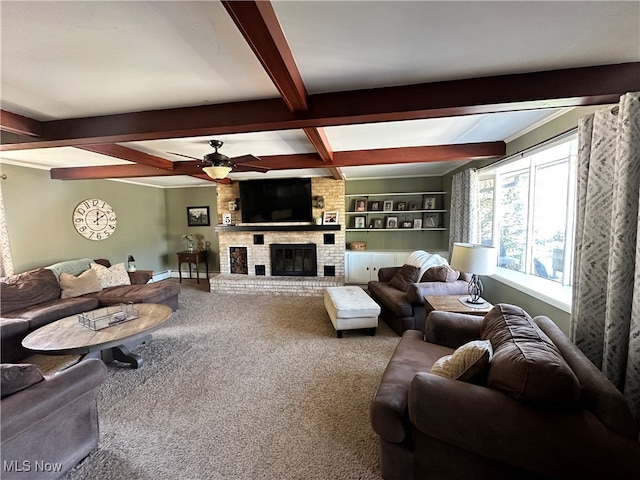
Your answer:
<point x="275" y="228"/>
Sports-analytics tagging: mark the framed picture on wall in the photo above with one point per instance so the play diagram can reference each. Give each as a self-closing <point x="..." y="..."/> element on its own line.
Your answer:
<point x="198" y="217"/>
<point x="330" y="218"/>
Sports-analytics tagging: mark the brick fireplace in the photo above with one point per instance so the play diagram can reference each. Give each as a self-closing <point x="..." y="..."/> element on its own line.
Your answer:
<point x="258" y="239"/>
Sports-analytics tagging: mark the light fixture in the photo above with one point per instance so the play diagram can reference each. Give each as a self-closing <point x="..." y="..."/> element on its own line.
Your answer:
<point x="217" y="171"/>
<point x="131" y="266"/>
<point x="476" y="260"/>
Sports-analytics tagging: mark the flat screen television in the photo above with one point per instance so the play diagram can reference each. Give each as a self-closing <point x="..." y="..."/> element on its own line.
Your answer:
<point x="276" y="200"/>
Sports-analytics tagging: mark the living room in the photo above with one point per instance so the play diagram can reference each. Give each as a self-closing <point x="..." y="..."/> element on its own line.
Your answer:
<point x="262" y="377"/>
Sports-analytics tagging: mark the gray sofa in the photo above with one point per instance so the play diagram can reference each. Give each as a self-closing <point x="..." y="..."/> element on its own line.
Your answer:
<point x="536" y="409"/>
<point x="404" y="309"/>
<point x="48" y="426"/>
<point x="32" y="299"/>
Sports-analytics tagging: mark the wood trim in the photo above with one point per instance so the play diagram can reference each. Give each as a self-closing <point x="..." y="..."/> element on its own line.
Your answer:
<point x="129" y="154"/>
<point x="14" y="123"/>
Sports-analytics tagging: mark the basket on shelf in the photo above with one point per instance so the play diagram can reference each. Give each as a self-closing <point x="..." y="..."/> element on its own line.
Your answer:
<point x="359" y="246"/>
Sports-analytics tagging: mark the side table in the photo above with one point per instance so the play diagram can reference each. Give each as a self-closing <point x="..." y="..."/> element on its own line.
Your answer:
<point x="452" y="303"/>
<point x="193" y="258"/>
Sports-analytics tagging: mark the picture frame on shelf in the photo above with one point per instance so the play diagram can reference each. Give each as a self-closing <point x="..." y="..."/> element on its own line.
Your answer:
<point x="375" y="206"/>
<point x="401" y="206"/>
<point x="413" y="206"/>
<point x="430" y="203"/>
<point x="417" y="223"/>
<point x="377" y="223"/>
<point x="330" y="218"/>
<point x="431" y="221"/>
<point x="360" y="205"/>
<point x="407" y="225"/>
<point x="226" y="219"/>
<point x="359" y="222"/>
<point x="391" y="222"/>
<point x="388" y="206"/>
<point x="198" y="217"/>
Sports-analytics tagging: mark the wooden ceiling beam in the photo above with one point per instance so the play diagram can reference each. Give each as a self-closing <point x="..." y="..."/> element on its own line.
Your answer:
<point x="550" y="89"/>
<point x="258" y="23"/>
<point x="14" y="123"/>
<point x="353" y="158"/>
<point x="129" y="154"/>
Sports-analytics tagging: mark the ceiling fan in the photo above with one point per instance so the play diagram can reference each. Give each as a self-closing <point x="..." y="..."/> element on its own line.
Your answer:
<point x="218" y="166"/>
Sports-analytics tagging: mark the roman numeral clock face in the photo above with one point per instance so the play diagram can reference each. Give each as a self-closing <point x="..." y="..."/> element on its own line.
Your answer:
<point x="94" y="219"/>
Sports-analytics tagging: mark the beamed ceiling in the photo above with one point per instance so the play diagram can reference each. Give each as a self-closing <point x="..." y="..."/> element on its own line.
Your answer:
<point x="95" y="90"/>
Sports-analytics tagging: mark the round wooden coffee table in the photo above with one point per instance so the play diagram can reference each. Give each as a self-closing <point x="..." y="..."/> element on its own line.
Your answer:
<point x="68" y="336"/>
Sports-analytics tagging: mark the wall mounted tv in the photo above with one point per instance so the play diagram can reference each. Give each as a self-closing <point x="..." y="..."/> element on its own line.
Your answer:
<point x="276" y="200"/>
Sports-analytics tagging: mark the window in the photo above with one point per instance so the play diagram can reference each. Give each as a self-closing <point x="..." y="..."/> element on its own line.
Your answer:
<point x="527" y="210"/>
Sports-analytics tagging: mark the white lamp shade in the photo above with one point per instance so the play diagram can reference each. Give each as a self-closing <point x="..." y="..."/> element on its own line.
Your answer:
<point x="217" y="172"/>
<point x="474" y="259"/>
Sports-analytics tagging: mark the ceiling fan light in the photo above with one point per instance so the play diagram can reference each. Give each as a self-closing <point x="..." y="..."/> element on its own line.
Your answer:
<point x="217" y="172"/>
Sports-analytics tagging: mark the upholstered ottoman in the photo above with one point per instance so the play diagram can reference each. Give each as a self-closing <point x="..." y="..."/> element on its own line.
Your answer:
<point x="350" y="308"/>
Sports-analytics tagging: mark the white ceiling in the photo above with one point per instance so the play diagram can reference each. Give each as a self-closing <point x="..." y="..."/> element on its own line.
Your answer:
<point x="64" y="60"/>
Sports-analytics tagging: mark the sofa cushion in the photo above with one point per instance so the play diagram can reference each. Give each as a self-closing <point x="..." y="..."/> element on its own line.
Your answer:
<point x="86" y="282"/>
<point x="27" y="289"/>
<point x="71" y="267"/>
<point x="156" y="292"/>
<point x="47" y="312"/>
<point x="113" y="276"/>
<point x="390" y="298"/>
<point x="526" y="364"/>
<point x="441" y="273"/>
<point x="469" y="363"/>
<point x="388" y="408"/>
<point x="404" y="277"/>
<point x="18" y="376"/>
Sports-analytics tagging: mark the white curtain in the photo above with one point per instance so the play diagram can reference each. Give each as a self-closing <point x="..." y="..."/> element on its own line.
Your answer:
<point x="463" y="220"/>
<point x="605" y="321"/>
<point x="6" y="262"/>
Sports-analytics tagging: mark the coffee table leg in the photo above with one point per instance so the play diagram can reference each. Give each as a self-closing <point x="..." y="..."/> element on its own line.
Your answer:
<point x="122" y="354"/>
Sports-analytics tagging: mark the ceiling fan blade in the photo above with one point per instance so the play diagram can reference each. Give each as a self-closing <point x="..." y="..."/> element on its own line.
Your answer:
<point x="245" y="167"/>
<point x="185" y="156"/>
<point x="244" y="159"/>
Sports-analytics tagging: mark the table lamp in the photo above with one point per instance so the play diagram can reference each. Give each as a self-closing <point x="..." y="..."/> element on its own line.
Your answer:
<point x="476" y="260"/>
<point x="131" y="266"/>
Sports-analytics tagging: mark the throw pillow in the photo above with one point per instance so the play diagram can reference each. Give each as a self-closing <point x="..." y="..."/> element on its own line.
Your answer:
<point x="526" y="363"/>
<point x="86" y="282"/>
<point x="18" y="376"/>
<point x="441" y="273"/>
<point x="469" y="363"/>
<point x="113" y="276"/>
<point x="404" y="277"/>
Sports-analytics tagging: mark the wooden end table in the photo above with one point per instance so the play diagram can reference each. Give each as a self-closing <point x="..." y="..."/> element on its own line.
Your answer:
<point x="452" y="303"/>
<point x="67" y="336"/>
<point x="193" y="258"/>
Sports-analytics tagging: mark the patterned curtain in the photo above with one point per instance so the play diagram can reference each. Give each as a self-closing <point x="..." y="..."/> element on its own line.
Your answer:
<point x="6" y="262"/>
<point x="463" y="224"/>
<point x="605" y="321"/>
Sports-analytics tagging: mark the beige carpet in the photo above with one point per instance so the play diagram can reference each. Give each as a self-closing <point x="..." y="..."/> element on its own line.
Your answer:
<point x="243" y="387"/>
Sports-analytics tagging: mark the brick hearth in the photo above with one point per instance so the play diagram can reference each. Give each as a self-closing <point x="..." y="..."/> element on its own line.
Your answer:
<point x="258" y="285"/>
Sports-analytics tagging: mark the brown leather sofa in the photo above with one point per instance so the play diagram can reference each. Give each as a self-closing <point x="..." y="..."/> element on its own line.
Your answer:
<point x="405" y="310"/>
<point x="540" y="410"/>
<point x="50" y="425"/>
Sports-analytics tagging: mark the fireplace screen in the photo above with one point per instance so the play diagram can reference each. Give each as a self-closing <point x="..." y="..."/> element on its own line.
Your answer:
<point x="293" y="259"/>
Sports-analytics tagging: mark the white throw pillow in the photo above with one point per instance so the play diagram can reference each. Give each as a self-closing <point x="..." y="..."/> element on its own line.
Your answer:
<point x="86" y="282"/>
<point x="113" y="276"/>
<point x="467" y="363"/>
<point x="425" y="261"/>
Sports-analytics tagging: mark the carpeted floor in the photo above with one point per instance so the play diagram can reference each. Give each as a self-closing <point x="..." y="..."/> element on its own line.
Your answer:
<point x="243" y="387"/>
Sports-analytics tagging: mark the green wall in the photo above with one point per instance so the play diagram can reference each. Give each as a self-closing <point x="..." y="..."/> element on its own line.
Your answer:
<point x="39" y="212"/>
<point x="177" y="201"/>
<point x="398" y="240"/>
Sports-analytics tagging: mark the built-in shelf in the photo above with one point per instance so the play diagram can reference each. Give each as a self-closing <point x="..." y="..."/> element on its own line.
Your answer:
<point x="276" y="228"/>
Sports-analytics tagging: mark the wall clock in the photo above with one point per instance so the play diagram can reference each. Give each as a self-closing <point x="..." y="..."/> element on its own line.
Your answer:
<point x="94" y="219"/>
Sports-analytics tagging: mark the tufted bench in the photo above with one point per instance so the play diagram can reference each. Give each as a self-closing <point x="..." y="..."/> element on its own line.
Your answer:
<point x="350" y="308"/>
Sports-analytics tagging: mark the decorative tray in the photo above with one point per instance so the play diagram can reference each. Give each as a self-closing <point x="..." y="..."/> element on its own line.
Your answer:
<point x="108" y="316"/>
